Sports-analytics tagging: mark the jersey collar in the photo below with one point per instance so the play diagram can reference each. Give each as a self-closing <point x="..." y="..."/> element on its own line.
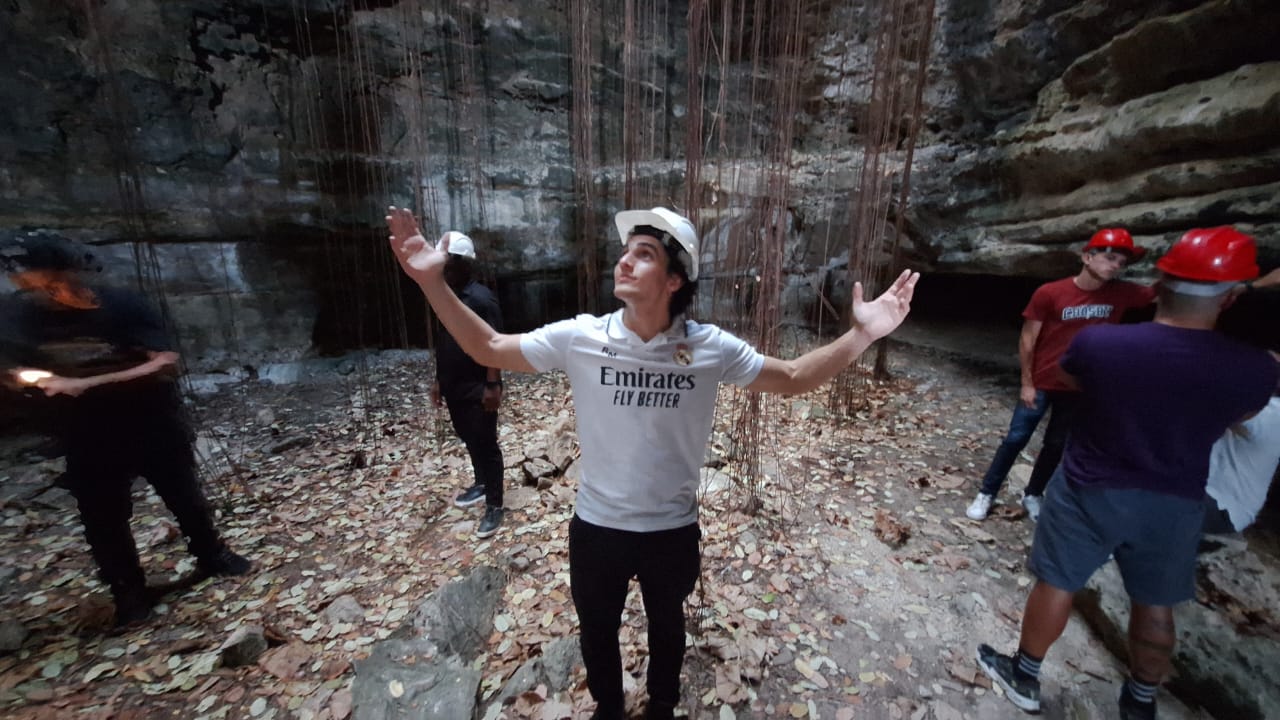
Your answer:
<point x="618" y="331"/>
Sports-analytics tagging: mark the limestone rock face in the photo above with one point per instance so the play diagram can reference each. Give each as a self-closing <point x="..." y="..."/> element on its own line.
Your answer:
<point x="253" y="146"/>
<point x="1156" y="122"/>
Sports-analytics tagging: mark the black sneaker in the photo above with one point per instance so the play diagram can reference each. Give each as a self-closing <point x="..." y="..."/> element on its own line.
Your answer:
<point x="1133" y="709"/>
<point x="491" y="522"/>
<point x="224" y="563"/>
<point x="133" y="608"/>
<point x="1021" y="690"/>
<point x="470" y="496"/>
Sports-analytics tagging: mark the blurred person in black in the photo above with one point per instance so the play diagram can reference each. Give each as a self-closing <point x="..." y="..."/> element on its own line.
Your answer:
<point x="472" y="392"/>
<point x="100" y="362"/>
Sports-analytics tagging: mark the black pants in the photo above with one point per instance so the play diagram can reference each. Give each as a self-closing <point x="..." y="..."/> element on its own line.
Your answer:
<point x="1062" y="413"/>
<point x="100" y="471"/>
<point x="602" y="562"/>
<point x="478" y="430"/>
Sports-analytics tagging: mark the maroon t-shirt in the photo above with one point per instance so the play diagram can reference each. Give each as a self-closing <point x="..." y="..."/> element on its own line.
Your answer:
<point x="1064" y="310"/>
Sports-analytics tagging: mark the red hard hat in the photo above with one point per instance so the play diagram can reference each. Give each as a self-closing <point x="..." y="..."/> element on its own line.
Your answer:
<point x="1116" y="239"/>
<point x="1221" y="254"/>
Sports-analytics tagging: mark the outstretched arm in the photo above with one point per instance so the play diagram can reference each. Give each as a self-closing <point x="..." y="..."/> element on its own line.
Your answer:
<point x="871" y="321"/>
<point x="1270" y="280"/>
<point x="158" y="364"/>
<point x="424" y="263"/>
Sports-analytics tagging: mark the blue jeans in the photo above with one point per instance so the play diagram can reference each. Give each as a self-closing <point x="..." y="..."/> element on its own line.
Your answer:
<point x="1021" y="427"/>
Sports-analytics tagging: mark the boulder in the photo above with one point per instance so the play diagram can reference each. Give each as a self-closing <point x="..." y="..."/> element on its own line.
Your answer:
<point x="1225" y="660"/>
<point x="424" y="670"/>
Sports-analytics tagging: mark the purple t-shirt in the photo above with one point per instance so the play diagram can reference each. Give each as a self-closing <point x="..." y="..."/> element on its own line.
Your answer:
<point x="1154" y="400"/>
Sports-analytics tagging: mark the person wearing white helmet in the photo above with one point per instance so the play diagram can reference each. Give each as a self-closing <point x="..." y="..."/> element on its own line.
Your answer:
<point x="472" y="392"/>
<point x="1154" y="397"/>
<point x="644" y="382"/>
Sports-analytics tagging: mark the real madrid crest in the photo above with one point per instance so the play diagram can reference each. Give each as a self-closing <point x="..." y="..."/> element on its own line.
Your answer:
<point x="682" y="355"/>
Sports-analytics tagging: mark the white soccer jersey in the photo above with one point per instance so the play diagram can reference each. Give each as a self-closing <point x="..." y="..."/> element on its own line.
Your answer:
<point x="644" y="409"/>
<point x="1241" y="466"/>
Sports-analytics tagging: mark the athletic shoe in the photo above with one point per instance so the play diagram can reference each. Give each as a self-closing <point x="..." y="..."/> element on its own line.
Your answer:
<point x="1022" y="690"/>
<point x="471" y="496"/>
<point x="133" y="608"/>
<point x="980" y="506"/>
<point x="224" y="563"/>
<point x="1033" y="503"/>
<point x="491" y="522"/>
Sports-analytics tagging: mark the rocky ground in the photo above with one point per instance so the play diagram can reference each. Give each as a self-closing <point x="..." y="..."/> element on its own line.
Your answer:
<point x="854" y="587"/>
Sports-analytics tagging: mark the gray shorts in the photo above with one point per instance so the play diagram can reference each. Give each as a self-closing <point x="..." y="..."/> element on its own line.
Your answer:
<point x="1152" y="535"/>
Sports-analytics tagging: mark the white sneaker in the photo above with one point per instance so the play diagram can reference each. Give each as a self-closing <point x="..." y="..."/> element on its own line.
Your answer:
<point x="980" y="506"/>
<point x="1033" y="503"/>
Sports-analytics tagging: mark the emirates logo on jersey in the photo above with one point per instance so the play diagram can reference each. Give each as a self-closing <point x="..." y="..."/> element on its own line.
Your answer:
<point x="646" y="388"/>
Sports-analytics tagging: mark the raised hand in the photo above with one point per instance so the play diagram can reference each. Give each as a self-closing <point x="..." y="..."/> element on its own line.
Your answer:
<point x="418" y="258"/>
<point x="883" y="315"/>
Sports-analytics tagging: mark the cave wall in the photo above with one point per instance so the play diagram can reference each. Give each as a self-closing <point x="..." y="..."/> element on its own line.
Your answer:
<point x="1046" y="119"/>
<point x="1168" y="122"/>
<point x="253" y="146"/>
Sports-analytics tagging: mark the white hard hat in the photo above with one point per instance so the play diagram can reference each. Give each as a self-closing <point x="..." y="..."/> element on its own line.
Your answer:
<point x="677" y="226"/>
<point x="460" y="245"/>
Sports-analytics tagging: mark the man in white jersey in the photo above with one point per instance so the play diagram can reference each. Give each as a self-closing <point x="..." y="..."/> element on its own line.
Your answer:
<point x="644" y="382"/>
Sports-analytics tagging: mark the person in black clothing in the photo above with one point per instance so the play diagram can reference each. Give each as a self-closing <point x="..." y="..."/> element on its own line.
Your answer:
<point x="100" y="362"/>
<point x="471" y="391"/>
